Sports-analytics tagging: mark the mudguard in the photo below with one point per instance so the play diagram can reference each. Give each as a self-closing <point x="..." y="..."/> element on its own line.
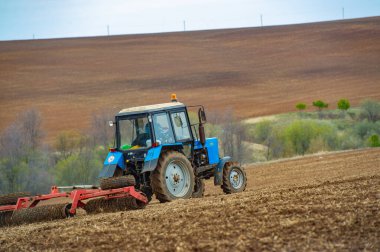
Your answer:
<point x="218" y="172"/>
<point x="112" y="161"/>
<point x="151" y="159"/>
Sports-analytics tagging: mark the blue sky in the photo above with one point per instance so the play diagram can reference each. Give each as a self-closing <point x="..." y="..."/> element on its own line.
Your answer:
<point x="23" y="19"/>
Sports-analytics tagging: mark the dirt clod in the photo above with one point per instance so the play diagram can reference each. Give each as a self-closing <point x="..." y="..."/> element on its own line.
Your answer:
<point x="287" y="206"/>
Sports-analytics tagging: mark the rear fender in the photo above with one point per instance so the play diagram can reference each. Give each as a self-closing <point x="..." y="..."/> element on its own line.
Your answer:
<point x="112" y="161"/>
<point x="151" y="159"/>
<point x="218" y="172"/>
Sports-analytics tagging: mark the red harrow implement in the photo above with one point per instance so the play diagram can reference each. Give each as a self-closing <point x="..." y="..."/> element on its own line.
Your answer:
<point x="27" y="210"/>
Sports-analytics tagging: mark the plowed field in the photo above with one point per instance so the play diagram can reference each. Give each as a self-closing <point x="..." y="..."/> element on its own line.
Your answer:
<point x="254" y="71"/>
<point x="321" y="202"/>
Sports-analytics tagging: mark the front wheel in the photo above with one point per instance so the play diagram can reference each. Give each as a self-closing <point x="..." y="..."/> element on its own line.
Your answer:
<point x="173" y="178"/>
<point x="234" y="179"/>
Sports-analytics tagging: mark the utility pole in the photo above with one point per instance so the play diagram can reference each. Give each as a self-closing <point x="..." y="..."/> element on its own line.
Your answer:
<point x="261" y="19"/>
<point x="108" y="30"/>
<point x="184" y="25"/>
<point x="343" y="13"/>
<point x="33" y="35"/>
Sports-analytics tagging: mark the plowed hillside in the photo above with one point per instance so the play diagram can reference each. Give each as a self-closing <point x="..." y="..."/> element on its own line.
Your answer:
<point x="321" y="203"/>
<point x="255" y="71"/>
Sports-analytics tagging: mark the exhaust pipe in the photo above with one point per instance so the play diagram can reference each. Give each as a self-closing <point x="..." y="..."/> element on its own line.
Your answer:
<point x="202" y="119"/>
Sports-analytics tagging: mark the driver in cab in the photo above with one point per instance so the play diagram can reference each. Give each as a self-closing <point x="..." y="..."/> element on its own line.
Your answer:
<point x="163" y="133"/>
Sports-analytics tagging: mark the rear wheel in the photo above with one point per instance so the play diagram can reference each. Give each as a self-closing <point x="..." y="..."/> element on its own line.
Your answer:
<point x="117" y="182"/>
<point x="234" y="179"/>
<point x="173" y="178"/>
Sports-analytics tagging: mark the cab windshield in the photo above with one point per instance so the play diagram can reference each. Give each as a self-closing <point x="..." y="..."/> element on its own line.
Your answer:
<point x="134" y="133"/>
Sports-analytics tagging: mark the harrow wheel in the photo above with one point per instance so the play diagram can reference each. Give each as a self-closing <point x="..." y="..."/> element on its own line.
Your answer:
<point x="5" y="218"/>
<point x="173" y="178"/>
<point x="234" y="178"/>
<point x="199" y="188"/>
<point x="40" y="213"/>
<point x="117" y="182"/>
<point x="11" y="199"/>
<point x="102" y="205"/>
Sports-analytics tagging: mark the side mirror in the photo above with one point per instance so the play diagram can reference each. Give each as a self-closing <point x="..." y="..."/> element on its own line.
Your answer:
<point x="110" y="123"/>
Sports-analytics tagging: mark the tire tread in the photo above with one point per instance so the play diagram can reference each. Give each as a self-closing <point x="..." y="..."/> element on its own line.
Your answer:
<point x="226" y="186"/>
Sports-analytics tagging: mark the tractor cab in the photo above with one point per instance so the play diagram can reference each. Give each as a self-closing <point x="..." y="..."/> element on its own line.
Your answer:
<point x="150" y="126"/>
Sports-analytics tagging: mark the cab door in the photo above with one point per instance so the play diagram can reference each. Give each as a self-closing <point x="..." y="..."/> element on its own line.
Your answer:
<point x="182" y="131"/>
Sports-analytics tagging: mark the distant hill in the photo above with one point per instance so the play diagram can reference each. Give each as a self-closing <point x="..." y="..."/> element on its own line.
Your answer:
<point x="254" y="71"/>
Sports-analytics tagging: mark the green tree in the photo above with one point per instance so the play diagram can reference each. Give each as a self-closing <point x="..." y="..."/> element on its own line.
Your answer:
<point x="262" y="131"/>
<point x="343" y="104"/>
<point x="301" y="106"/>
<point x="320" y="104"/>
<point x="66" y="143"/>
<point x="301" y="133"/>
<point x="22" y="155"/>
<point x="79" y="168"/>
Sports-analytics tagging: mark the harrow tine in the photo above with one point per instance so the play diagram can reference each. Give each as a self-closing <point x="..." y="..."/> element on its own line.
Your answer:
<point x="112" y="205"/>
<point x="5" y="218"/>
<point x="41" y="213"/>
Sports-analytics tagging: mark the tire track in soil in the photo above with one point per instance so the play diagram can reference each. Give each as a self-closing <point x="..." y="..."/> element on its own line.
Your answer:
<point x="308" y="212"/>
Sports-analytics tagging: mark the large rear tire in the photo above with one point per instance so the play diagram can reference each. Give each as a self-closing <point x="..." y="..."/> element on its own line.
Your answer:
<point x="11" y="199"/>
<point x="234" y="178"/>
<point x="173" y="178"/>
<point x="117" y="182"/>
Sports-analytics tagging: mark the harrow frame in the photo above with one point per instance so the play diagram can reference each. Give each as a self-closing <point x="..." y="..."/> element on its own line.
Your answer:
<point x="77" y="196"/>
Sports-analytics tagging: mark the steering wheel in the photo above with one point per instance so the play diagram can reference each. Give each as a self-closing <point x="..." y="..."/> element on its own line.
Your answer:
<point x="165" y="135"/>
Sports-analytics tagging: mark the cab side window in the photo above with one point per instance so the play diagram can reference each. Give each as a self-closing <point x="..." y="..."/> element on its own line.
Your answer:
<point x="181" y="127"/>
<point x="162" y="128"/>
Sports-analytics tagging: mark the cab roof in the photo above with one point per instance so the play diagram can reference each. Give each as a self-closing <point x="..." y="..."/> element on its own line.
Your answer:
<point x="151" y="108"/>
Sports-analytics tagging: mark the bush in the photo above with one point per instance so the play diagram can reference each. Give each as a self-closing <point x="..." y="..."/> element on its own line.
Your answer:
<point x="343" y="104"/>
<point x="371" y="110"/>
<point x="349" y="141"/>
<point x="79" y="168"/>
<point x="365" y="129"/>
<point x="262" y="131"/>
<point x="67" y="142"/>
<point x="301" y="106"/>
<point x="374" y="141"/>
<point x="320" y="104"/>
<point x="24" y="160"/>
<point x="301" y="133"/>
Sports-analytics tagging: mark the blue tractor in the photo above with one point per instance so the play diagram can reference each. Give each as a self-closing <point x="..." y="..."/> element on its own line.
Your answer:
<point x="159" y="152"/>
